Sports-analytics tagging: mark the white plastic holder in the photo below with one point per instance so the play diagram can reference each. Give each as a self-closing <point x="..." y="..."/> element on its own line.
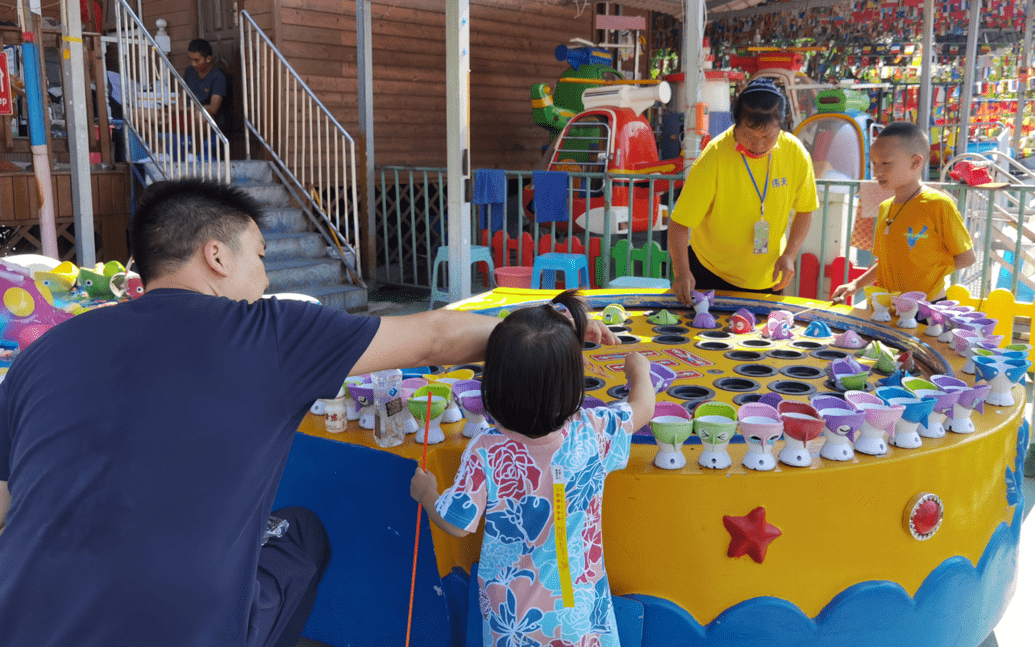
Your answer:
<point x="836" y="447"/>
<point x="906" y="435"/>
<point x="960" y="422"/>
<point x="795" y="453"/>
<point x="670" y="457"/>
<point x="715" y="457"/>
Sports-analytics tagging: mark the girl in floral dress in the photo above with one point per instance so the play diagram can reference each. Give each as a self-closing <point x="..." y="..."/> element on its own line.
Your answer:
<point x="544" y="448"/>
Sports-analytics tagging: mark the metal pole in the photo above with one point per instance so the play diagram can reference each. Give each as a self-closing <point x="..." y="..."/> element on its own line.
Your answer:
<point x="458" y="143"/>
<point x="78" y="141"/>
<point x="365" y="65"/>
<point x="924" y="103"/>
<point x="693" y="76"/>
<point x="37" y="128"/>
<point x="967" y="91"/>
<point x="1022" y="85"/>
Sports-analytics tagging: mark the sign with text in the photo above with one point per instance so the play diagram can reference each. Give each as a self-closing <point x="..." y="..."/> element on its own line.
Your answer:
<point x="6" y="104"/>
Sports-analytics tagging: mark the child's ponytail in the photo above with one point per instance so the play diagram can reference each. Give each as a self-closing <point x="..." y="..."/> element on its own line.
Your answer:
<point x="574" y="306"/>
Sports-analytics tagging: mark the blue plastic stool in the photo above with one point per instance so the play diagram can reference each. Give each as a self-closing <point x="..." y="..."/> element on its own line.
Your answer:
<point x="639" y="282"/>
<point x="479" y="254"/>
<point x="574" y="266"/>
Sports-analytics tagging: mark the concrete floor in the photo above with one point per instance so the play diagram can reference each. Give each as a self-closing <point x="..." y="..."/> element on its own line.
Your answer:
<point x="1016" y="627"/>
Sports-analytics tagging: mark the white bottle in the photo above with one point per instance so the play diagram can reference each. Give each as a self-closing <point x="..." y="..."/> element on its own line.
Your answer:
<point x="335" y="417"/>
<point x="390" y="424"/>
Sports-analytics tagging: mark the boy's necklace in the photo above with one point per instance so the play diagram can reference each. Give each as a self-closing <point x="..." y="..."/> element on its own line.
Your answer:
<point x="887" y="227"/>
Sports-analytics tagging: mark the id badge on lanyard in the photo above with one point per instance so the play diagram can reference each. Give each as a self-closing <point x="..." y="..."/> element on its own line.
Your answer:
<point x="760" y="240"/>
<point x="760" y="232"/>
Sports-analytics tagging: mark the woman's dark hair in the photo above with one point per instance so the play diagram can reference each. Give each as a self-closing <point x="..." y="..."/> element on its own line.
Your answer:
<point x="759" y="104"/>
<point x="533" y="379"/>
<point x="177" y="217"/>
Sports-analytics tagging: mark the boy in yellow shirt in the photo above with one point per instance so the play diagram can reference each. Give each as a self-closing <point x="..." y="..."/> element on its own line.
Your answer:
<point x="920" y="237"/>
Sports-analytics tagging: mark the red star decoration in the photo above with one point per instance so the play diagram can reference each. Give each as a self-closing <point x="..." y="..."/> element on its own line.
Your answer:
<point x="750" y="534"/>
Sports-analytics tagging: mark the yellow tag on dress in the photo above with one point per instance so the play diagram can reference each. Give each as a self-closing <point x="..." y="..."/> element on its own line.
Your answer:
<point x="560" y="531"/>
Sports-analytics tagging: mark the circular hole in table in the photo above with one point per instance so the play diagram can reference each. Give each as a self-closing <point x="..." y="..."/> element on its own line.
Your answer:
<point x="618" y="329"/>
<point x="806" y="345"/>
<point x="713" y="345"/>
<point x="590" y="345"/>
<point x="829" y="354"/>
<point x="785" y="353"/>
<point x="828" y="383"/>
<point x="802" y="372"/>
<point x="477" y="368"/>
<point x="757" y="343"/>
<point x="744" y="355"/>
<point x="620" y="391"/>
<point x="736" y="384"/>
<point x="593" y="383"/>
<point x="671" y="339"/>
<point x="746" y="398"/>
<point x="715" y="334"/>
<point x="628" y="339"/>
<point x="755" y="370"/>
<point x="691" y="392"/>
<point x="791" y="387"/>
<point x="671" y="330"/>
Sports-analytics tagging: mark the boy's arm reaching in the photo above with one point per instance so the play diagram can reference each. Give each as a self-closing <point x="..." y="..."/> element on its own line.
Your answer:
<point x="846" y="290"/>
<point x="641" y="392"/>
<point x="424" y="490"/>
<point x="965" y="259"/>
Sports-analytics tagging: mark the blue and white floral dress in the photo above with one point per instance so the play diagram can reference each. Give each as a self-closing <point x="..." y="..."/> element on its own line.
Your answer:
<point x="510" y="478"/>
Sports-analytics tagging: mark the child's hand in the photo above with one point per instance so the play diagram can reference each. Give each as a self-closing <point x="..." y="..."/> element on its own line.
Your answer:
<point x="597" y="331"/>
<point x="423" y="487"/>
<point x="636" y="366"/>
<point x="843" y="292"/>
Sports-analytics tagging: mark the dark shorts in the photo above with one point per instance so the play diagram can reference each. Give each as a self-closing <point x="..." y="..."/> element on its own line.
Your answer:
<point x="290" y="569"/>
<point x="705" y="279"/>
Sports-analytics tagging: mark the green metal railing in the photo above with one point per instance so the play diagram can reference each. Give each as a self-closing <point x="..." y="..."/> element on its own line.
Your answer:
<point x="411" y="217"/>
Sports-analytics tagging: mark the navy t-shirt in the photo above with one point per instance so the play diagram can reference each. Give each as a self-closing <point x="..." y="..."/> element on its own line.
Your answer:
<point x="143" y="444"/>
<point x="214" y="83"/>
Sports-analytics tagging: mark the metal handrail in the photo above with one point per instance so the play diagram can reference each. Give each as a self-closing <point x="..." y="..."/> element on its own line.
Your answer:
<point x="287" y="118"/>
<point x="176" y="143"/>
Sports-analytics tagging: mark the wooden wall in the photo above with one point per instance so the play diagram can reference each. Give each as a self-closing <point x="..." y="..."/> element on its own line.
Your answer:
<point x="512" y="45"/>
<point x="110" y="192"/>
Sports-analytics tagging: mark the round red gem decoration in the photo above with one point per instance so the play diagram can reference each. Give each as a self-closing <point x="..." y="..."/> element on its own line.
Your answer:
<point x="923" y="515"/>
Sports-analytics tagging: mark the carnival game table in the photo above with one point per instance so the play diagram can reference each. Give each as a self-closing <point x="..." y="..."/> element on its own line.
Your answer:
<point x="912" y="547"/>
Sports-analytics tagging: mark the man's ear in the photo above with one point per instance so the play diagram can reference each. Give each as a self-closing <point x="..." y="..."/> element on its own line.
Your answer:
<point x="216" y="254"/>
<point x="918" y="161"/>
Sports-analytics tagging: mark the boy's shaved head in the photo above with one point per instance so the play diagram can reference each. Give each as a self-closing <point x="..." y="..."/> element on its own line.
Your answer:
<point x="907" y="136"/>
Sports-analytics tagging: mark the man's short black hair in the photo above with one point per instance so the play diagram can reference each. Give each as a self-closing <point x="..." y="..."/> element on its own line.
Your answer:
<point x="909" y="136"/>
<point x="759" y="104"/>
<point x="177" y="217"/>
<point x="200" y="46"/>
<point x="534" y="379"/>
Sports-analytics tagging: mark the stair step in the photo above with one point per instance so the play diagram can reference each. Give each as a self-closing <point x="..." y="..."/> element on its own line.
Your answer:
<point x="296" y="275"/>
<point x="285" y="247"/>
<point x="267" y="194"/>
<point x="250" y="171"/>
<point x="349" y="298"/>
<point x="283" y="220"/>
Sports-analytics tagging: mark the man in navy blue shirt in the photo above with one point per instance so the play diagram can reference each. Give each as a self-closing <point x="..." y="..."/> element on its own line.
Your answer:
<point x="141" y="445"/>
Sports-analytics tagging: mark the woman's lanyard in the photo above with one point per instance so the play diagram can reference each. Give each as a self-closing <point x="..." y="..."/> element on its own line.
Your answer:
<point x="760" y="239"/>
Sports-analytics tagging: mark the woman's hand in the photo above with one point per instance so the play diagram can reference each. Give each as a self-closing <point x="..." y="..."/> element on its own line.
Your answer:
<point x="682" y="286"/>
<point x="783" y="272"/>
